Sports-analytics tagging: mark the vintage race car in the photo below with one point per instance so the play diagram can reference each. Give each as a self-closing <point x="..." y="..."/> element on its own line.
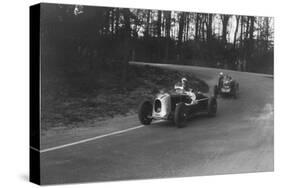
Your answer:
<point x="176" y="106"/>
<point x="227" y="86"/>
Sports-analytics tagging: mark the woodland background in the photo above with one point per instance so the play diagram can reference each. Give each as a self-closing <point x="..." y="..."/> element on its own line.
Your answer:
<point x="86" y="50"/>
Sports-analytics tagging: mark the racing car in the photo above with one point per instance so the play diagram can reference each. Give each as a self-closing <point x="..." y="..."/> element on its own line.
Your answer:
<point x="227" y="87"/>
<point x="176" y="106"/>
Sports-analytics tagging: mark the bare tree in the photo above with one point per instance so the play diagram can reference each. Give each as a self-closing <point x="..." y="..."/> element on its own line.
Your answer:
<point x="117" y="18"/>
<point x="197" y="26"/>
<point x="225" y="19"/>
<point x="236" y="31"/>
<point x="241" y="31"/>
<point x="187" y="21"/>
<point x="209" y="26"/>
<point x="159" y="18"/>
<point x="147" y="28"/>
<point x="182" y="16"/>
<point x="168" y="24"/>
<point x="167" y="32"/>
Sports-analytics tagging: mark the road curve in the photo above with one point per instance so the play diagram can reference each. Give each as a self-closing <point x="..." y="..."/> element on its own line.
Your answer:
<point x="238" y="140"/>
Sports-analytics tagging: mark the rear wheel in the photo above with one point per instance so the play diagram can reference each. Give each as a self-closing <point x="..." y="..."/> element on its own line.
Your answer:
<point x="145" y="112"/>
<point x="181" y="114"/>
<point x="212" y="107"/>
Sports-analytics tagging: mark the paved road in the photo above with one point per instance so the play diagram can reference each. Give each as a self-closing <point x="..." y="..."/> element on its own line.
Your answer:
<point x="238" y="140"/>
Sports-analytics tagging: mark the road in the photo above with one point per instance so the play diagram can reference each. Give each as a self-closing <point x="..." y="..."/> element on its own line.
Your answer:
<point x="238" y="140"/>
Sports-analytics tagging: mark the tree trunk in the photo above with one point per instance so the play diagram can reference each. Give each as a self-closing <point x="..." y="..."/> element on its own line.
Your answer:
<point x="197" y="26"/>
<point x="187" y="27"/>
<point x="252" y="23"/>
<point x="159" y="18"/>
<point x="266" y="25"/>
<point x="180" y="33"/>
<point x="241" y="31"/>
<point x="167" y="30"/>
<point x="181" y="27"/>
<point x="127" y="33"/>
<point x="247" y="28"/>
<point x="168" y="24"/>
<point x="112" y="22"/>
<point x="209" y="27"/>
<point x="236" y="30"/>
<point x="146" y="33"/>
<point x="225" y="19"/>
<point x="251" y="35"/>
<point x="107" y="22"/>
<point x="117" y="21"/>
<point x="204" y="23"/>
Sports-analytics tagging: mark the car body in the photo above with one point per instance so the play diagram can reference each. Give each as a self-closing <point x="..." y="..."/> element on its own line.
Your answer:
<point x="176" y="106"/>
<point x="227" y="87"/>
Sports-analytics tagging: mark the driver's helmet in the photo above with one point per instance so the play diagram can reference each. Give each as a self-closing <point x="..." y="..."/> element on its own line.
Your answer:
<point x="183" y="80"/>
<point x="221" y="74"/>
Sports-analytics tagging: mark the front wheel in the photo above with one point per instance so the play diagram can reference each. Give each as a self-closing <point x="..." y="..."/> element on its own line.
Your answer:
<point x="181" y="114"/>
<point x="145" y="112"/>
<point x="212" y="107"/>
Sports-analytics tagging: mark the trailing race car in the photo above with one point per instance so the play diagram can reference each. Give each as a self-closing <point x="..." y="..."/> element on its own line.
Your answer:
<point x="177" y="106"/>
<point x="226" y="86"/>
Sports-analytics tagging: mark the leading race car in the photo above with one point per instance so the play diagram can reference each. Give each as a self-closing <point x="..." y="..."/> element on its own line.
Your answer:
<point x="177" y="105"/>
<point x="226" y="86"/>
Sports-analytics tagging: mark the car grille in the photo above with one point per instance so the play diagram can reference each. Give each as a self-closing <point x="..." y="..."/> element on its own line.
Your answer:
<point x="157" y="106"/>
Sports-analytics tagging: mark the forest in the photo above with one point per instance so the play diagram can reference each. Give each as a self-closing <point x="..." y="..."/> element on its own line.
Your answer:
<point x="85" y="51"/>
<point x="86" y="38"/>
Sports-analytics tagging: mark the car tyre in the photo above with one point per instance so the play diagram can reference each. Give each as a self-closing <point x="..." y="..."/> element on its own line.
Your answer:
<point x="145" y="112"/>
<point x="181" y="114"/>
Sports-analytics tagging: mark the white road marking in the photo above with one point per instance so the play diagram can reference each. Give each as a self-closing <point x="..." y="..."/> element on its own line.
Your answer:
<point x="34" y="148"/>
<point x="86" y="140"/>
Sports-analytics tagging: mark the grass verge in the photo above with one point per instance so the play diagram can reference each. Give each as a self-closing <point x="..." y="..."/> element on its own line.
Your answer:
<point x="69" y="106"/>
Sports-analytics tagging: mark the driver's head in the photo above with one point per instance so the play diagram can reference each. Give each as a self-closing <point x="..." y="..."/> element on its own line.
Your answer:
<point x="183" y="81"/>
<point x="221" y="74"/>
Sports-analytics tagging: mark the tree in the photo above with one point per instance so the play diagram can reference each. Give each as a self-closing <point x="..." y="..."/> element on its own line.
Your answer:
<point x="117" y="18"/>
<point x="167" y="32"/>
<point x="187" y="21"/>
<point x="252" y="27"/>
<point x="159" y="17"/>
<point x="146" y="33"/>
<point x="127" y="35"/>
<point x="247" y="27"/>
<point x="167" y="24"/>
<point x="225" y="19"/>
<point x="182" y="16"/>
<point x="241" y="31"/>
<point x="209" y="26"/>
<point x="203" y="24"/>
<point x="236" y="31"/>
<point x="197" y="26"/>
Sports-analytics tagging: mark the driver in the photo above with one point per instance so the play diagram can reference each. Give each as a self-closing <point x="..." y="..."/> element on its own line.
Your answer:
<point x="187" y="90"/>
